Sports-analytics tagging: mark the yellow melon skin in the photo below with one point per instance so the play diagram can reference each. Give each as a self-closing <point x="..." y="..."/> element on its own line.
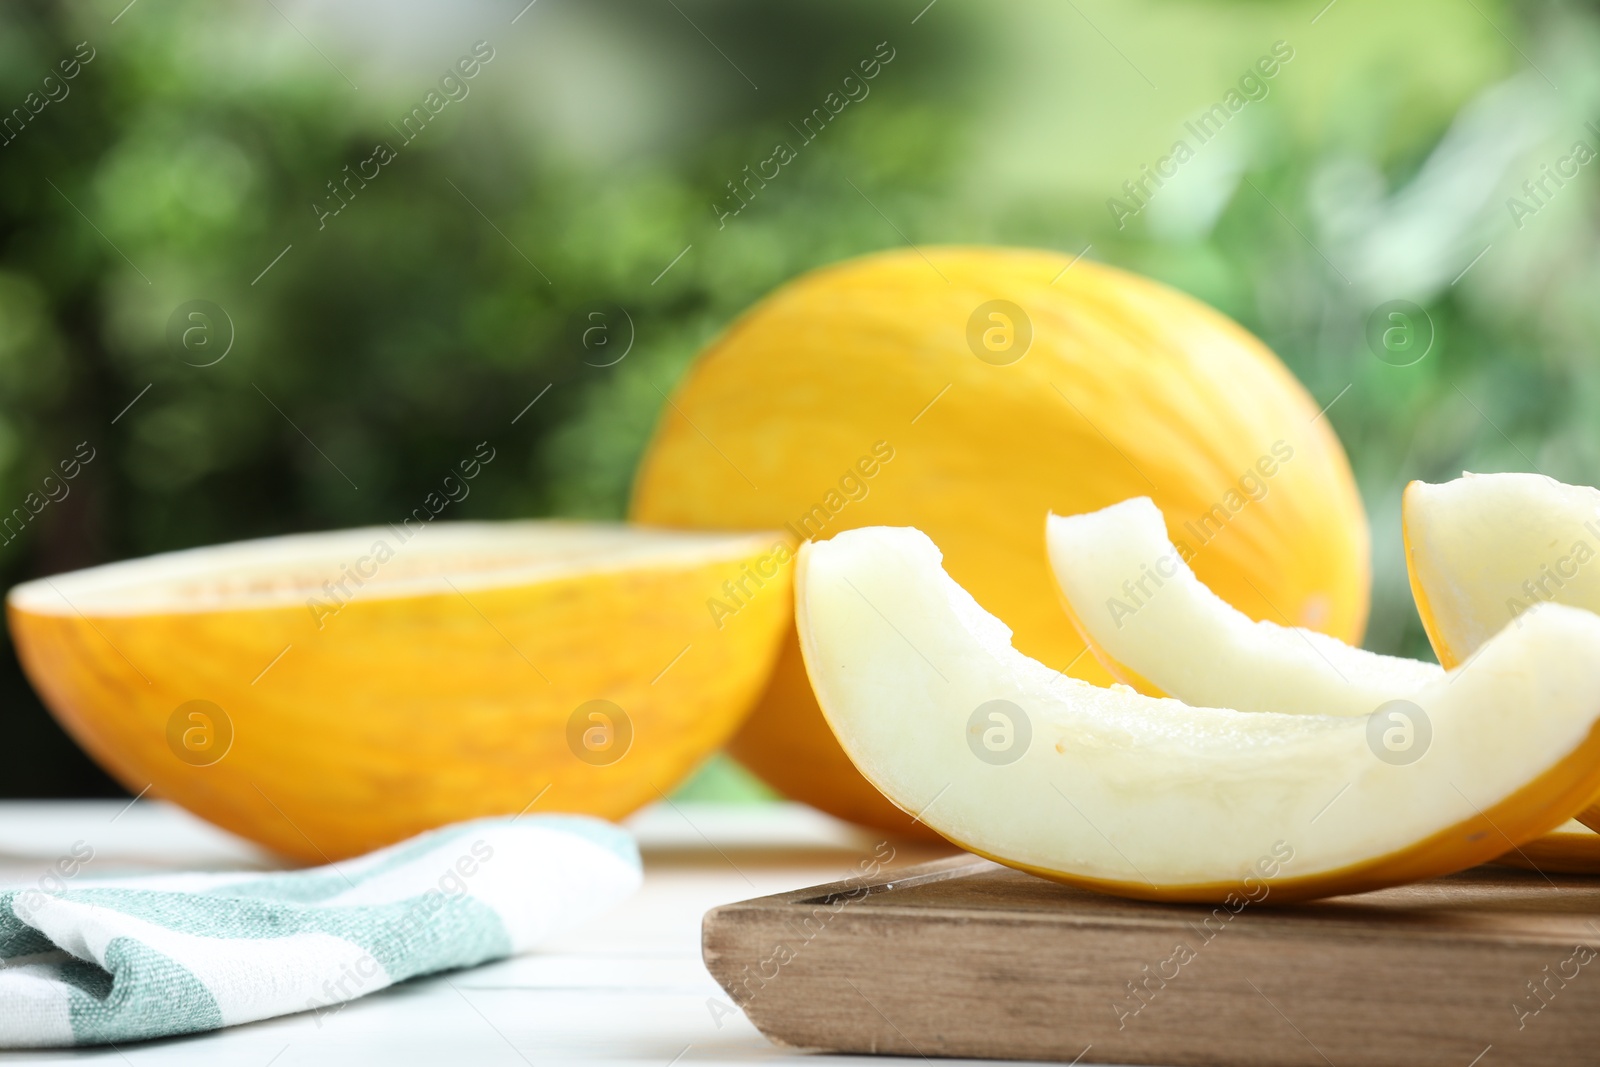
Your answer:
<point x="1128" y="388"/>
<point x="407" y="713"/>
<point x="1571" y="848"/>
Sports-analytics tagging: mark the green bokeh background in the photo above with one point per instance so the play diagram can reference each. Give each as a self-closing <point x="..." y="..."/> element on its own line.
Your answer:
<point x="457" y="285"/>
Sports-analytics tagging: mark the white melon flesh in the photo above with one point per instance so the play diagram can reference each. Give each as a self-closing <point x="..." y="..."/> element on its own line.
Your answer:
<point x="1158" y="628"/>
<point x="1484" y="548"/>
<point x="1153" y="798"/>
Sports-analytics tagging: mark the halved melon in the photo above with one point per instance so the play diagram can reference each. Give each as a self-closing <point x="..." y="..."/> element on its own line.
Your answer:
<point x="1152" y="798"/>
<point x="1155" y="626"/>
<point x="1485" y="548"/>
<point x="326" y="694"/>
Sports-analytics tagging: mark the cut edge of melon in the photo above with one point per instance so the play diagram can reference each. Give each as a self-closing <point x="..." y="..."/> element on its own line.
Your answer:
<point x="439" y="558"/>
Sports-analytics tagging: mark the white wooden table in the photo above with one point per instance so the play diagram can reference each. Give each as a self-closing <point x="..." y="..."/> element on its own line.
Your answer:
<point x="628" y="988"/>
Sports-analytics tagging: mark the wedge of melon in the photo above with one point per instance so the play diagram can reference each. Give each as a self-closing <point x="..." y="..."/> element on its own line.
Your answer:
<point x="1484" y="548"/>
<point x="358" y="687"/>
<point x="1158" y="627"/>
<point x="1155" y="626"/>
<point x="1152" y="798"/>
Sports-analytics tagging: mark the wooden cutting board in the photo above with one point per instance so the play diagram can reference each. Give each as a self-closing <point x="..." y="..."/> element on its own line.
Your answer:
<point x="962" y="957"/>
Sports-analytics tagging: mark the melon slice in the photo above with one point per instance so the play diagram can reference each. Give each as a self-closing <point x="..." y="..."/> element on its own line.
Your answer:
<point x="1485" y="548"/>
<point x="1158" y="628"/>
<point x="1151" y="798"/>
<point x="327" y="694"/>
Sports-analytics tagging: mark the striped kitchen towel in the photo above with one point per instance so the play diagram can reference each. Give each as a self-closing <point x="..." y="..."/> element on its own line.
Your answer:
<point x="118" y="960"/>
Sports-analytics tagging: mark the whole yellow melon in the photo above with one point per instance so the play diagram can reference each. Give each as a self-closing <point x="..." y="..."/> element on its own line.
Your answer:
<point x="969" y="392"/>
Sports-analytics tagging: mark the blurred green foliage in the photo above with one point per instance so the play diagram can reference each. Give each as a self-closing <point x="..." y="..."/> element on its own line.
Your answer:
<point x="576" y="175"/>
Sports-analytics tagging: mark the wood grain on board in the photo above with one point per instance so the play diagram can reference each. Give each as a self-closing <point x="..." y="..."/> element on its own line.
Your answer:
<point x="962" y="957"/>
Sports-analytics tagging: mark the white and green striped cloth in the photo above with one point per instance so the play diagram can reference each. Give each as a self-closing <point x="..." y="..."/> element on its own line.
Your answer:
<point x="118" y="960"/>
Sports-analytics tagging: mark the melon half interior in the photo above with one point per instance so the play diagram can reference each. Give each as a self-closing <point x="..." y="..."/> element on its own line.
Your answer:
<point x="373" y="562"/>
<point x="1152" y="798"/>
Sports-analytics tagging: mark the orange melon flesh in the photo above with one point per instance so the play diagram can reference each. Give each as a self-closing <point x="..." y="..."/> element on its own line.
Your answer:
<point x="1151" y="798"/>
<point x="383" y="681"/>
<point x="856" y="395"/>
